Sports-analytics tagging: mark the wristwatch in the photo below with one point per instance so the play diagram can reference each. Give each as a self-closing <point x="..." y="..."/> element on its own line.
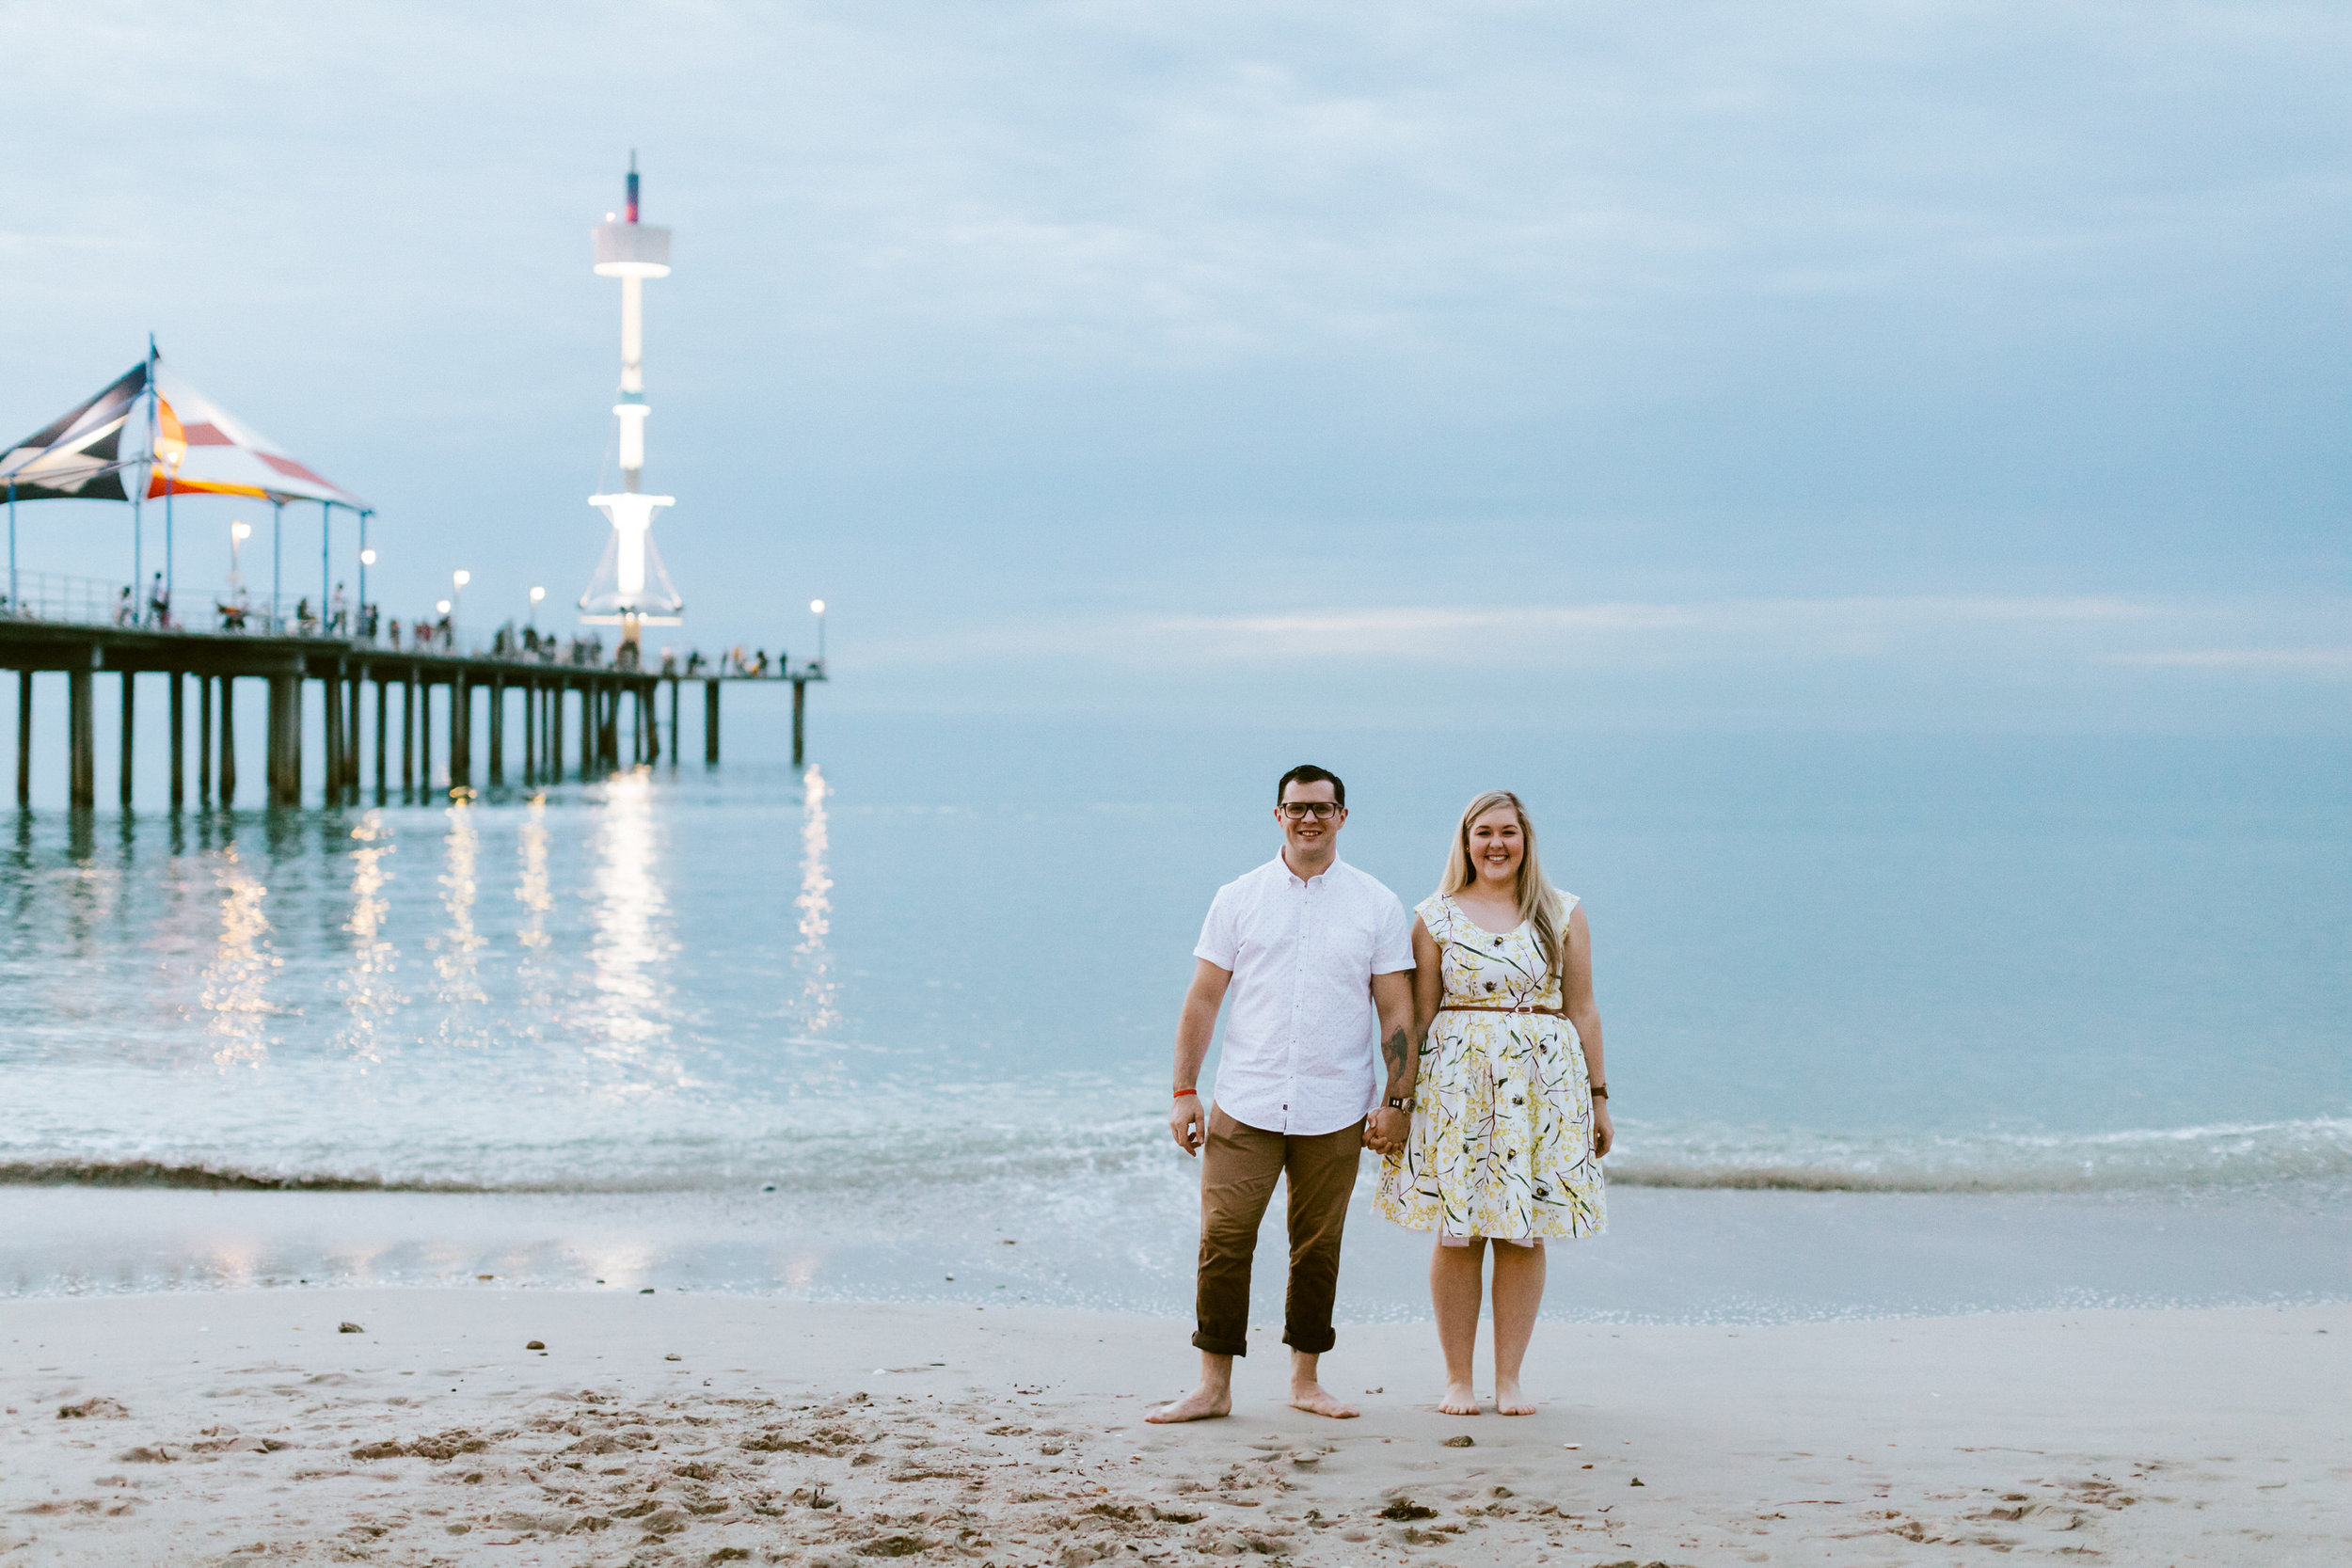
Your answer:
<point x="1401" y="1103"/>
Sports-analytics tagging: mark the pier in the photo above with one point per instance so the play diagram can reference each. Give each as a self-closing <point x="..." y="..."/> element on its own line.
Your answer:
<point x="383" y="711"/>
<point x="149" y="436"/>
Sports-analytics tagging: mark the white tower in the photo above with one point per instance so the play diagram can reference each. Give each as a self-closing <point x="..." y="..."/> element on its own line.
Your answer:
<point x="630" y="588"/>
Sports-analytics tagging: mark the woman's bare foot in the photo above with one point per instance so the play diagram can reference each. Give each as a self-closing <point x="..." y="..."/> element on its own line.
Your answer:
<point x="1202" y="1404"/>
<point x="1315" y="1399"/>
<point x="1460" y="1400"/>
<point x="1509" y="1401"/>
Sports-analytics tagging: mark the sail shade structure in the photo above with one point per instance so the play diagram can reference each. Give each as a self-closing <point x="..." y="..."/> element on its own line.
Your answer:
<point x="122" y="443"/>
<point x="79" y="455"/>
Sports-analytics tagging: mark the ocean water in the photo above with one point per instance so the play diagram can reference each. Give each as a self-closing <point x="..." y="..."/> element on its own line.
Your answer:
<point x="1892" y="1024"/>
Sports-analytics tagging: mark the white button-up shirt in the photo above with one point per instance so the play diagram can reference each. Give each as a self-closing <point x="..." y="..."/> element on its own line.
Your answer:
<point x="1302" y="1038"/>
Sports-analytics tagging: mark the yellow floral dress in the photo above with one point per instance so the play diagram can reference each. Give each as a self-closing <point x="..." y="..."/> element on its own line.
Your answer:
<point x="1501" y="1142"/>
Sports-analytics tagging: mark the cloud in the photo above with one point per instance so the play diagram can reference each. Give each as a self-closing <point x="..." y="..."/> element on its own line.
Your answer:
<point x="2316" y="661"/>
<point x="1624" y="631"/>
<point x="1721" y="314"/>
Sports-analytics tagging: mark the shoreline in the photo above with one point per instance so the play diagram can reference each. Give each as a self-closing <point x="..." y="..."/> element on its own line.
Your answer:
<point x="696" y="1428"/>
<point x="1672" y="1255"/>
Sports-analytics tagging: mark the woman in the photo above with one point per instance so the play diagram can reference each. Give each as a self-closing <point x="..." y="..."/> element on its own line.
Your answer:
<point x="1511" y="1105"/>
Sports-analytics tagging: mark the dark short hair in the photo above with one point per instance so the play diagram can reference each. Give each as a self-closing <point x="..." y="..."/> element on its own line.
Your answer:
<point x="1307" y="772"/>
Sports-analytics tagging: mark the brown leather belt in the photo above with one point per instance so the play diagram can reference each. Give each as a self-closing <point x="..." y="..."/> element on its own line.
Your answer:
<point x="1497" y="1007"/>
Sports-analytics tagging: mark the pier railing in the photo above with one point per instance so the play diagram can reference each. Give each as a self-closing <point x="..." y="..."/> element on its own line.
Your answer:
<point x="78" y="601"/>
<point x="62" y="599"/>
<point x="59" y="598"/>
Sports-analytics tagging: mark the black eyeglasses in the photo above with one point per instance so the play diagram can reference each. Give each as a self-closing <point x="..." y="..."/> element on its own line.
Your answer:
<point x="1322" y="811"/>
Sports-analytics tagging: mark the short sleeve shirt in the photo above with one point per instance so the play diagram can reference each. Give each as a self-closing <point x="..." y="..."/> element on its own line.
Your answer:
<point x="1302" y="1038"/>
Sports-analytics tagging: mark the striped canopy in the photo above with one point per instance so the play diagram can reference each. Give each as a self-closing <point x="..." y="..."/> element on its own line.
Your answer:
<point x="175" y="441"/>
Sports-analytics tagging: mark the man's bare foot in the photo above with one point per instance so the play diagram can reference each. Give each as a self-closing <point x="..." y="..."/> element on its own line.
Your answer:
<point x="1315" y="1399"/>
<point x="1201" y="1405"/>
<point x="1460" y="1400"/>
<point x="1510" y="1401"/>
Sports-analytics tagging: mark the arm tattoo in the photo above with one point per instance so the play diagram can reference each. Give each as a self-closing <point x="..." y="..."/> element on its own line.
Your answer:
<point x="1396" y="1050"/>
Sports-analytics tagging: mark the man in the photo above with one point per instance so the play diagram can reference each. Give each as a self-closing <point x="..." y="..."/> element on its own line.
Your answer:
<point x="1319" y="958"/>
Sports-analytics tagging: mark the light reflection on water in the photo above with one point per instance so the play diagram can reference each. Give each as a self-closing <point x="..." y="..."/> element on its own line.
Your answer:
<point x="811" y="958"/>
<point x="237" y="981"/>
<point x="531" y="888"/>
<point x="630" y="939"/>
<point x="458" y="948"/>
<point x="470" y="992"/>
<point x="366" y="989"/>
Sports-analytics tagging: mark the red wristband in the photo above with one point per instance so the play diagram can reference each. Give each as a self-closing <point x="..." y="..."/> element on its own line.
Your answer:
<point x="1180" y="1093"/>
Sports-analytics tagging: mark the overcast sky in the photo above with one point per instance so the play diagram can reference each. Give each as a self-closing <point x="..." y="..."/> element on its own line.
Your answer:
<point x="1854" y="366"/>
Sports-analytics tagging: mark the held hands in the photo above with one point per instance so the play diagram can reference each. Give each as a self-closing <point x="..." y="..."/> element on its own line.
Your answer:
<point x="1188" y="1122"/>
<point x="1385" y="1130"/>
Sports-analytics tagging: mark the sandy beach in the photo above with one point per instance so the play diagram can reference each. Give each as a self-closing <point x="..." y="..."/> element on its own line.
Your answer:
<point x="245" y="1426"/>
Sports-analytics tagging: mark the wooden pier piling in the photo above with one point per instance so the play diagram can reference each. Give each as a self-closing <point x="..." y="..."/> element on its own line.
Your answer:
<point x="24" y="737"/>
<point x="710" y="724"/>
<point x="331" y="738"/>
<point x="460" y="735"/>
<point x="81" y="743"/>
<point x="498" y="732"/>
<point x="282" y="772"/>
<point x="203" y="742"/>
<point x="129" y="731"/>
<point x="178" y="690"/>
<point x="227" y="741"/>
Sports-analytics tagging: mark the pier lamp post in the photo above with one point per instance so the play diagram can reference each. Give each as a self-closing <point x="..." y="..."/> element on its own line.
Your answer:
<point x="171" y="477"/>
<point x="457" y="597"/>
<point x="276" y="559"/>
<point x="238" y="533"/>
<point x="817" y="607"/>
<point x="367" y="558"/>
<point x="537" y="595"/>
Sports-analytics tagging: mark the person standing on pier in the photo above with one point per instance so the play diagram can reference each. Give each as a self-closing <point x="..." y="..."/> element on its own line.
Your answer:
<point x="1318" y="957"/>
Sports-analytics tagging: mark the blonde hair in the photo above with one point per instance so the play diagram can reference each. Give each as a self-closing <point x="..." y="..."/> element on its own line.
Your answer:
<point x="1538" y="901"/>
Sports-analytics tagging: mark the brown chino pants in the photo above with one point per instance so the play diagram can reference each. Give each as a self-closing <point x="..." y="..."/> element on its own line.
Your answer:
<point x="1238" y="1170"/>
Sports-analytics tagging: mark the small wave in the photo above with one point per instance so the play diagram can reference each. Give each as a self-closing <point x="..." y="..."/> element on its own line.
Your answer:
<point x="1099" y="1163"/>
<point x="206" y="1178"/>
<point x="2235" y="1154"/>
<point x="862" y="1167"/>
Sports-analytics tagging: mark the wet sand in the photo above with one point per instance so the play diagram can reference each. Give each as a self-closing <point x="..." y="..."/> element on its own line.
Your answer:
<point x="238" y="1427"/>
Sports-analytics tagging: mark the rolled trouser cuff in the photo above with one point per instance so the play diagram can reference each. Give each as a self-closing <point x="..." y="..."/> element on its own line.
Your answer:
<point x="1311" y="1343"/>
<point x="1203" y="1340"/>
